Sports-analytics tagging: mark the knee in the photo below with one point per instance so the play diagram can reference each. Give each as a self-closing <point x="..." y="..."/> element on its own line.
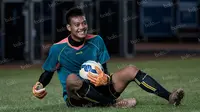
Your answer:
<point x="73" y="82"/>
<point x="131" y="71"/>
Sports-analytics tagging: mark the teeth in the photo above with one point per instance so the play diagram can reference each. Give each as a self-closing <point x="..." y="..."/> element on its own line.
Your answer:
<point x="82" y="32"/>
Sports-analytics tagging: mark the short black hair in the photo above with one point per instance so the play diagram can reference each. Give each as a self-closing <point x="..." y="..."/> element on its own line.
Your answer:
<point x="73" y="12"/>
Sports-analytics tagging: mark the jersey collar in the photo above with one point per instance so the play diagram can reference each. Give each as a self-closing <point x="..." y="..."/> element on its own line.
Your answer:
<point x="74" y="43"/>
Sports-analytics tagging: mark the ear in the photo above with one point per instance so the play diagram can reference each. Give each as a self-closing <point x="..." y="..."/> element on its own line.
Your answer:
<point x="68" y="27"/>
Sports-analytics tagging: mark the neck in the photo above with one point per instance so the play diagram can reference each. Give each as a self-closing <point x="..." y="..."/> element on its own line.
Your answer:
<point x="75" y="41"/>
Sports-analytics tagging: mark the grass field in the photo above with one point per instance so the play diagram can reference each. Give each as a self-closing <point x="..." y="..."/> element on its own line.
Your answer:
<point x="16" y="85"/>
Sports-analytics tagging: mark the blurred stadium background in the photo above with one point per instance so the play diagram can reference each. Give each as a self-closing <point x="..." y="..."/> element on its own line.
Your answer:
<point x="146" y="30"/>
<point x="130" y="28"/>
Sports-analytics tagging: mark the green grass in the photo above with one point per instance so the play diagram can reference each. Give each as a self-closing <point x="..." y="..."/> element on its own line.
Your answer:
<point x="16" y="86"/>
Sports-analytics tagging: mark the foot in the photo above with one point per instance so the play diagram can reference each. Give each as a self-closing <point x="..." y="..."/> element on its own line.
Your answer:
<point x="125" y="103"/>
<point x="176" y="97"/>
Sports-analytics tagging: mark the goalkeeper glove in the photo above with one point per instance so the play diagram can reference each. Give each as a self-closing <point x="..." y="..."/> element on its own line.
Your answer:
<point x="39" y="91"/>
<point x="101" y="79"/>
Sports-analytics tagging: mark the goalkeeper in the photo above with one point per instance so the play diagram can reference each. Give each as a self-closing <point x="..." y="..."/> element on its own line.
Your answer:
<point x="67" y="56"/>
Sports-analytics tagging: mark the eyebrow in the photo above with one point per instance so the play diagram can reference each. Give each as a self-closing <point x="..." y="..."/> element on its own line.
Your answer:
<point x="80" y="22"/>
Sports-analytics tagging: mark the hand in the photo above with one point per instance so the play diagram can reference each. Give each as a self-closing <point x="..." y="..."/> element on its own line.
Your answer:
<point x="101" y="79"/>
<point x="39" y="91"/>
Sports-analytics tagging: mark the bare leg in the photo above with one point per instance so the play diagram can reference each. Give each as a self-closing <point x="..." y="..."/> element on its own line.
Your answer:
<point x="75" y="90"/>
<point x="123" y="77"/>
<point x="80" y="89"/>
<point x="128" y="74"/>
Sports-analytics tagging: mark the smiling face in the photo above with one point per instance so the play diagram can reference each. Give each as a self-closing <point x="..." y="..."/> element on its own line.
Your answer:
<point x="78" y="27"/>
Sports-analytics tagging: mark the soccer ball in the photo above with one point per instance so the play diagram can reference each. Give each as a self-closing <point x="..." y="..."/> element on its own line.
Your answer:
<point x="89" y="66"/>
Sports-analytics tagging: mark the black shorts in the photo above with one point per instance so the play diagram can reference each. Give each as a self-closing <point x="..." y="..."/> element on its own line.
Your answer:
<point x="107" y="90"/>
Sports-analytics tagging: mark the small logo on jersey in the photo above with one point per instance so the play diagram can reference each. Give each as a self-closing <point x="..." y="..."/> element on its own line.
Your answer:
<point x="80" y="52"/>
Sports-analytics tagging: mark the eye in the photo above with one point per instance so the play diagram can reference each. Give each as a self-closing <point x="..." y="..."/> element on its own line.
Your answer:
<point x="84" y="22"/>
<point x="76" y="25"/>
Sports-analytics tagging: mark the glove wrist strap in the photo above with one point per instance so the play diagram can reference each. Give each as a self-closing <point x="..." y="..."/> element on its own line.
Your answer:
<point x="108" y="79"/>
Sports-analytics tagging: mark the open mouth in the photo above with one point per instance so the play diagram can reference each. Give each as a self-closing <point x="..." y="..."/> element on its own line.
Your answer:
<point x="83" y="33"/>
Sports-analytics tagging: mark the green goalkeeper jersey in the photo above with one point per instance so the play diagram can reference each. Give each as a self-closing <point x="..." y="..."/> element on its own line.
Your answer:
<point x="66" y="59"/>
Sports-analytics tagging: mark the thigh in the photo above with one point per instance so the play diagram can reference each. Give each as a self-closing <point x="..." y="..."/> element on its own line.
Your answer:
<point x="123" y="77"/>
<point x="75" y="101"/>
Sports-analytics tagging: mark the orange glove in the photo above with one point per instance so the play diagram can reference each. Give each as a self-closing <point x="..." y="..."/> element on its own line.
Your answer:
<point x="39" y="91"/>
<point x="101" y="79"/>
